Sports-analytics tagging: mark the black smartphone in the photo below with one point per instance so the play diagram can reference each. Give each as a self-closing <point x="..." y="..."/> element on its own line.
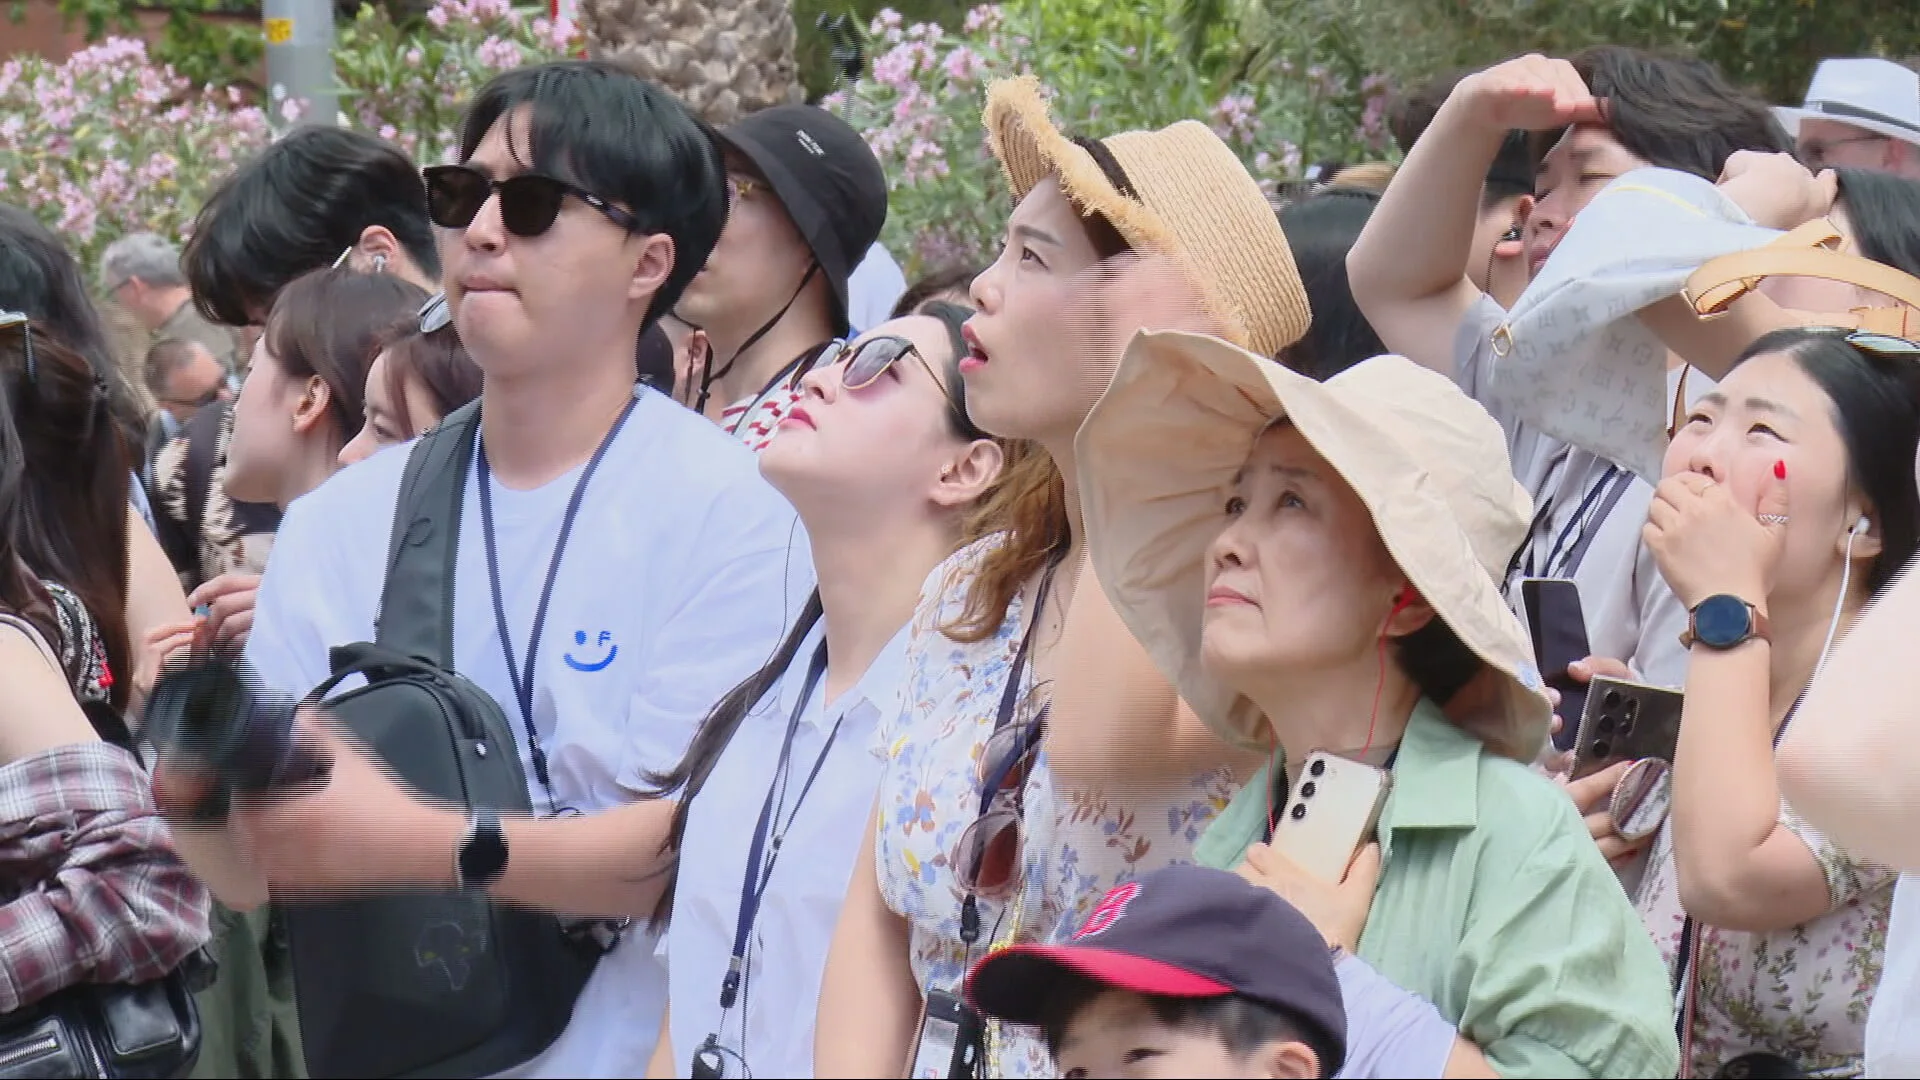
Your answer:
<point x="948" y="1044"/>
<point x="1626" y="721"/>
<point x="1559" y="630"/>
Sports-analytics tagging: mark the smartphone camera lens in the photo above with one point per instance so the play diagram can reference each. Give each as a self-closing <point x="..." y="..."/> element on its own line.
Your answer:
<point x="1299" y="811"/>
<point x="1307" y="789"/>
<point x="1318" y="768"/>
<point x="1606" y="725"/>
<point x="1633" y="709"/>
<point x="1626" y="726"/>
<point x="1610" y="699"/>
<point x="1602" y="748"/>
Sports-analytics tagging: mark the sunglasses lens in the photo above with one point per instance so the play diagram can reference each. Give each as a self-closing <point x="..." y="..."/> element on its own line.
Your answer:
<point x="529" y="204"/>
<point x="872" y="361"/>
<point x="1885" y="344"/>
<point x="454" y="195"/>
<point x="986" y="861"/>
<point x="1004" y="759"/>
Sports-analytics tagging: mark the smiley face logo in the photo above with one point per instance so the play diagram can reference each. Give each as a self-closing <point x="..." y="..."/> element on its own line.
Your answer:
<point x="600" y="642"/>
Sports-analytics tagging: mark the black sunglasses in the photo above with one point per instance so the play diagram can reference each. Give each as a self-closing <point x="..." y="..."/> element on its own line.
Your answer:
<point x="864" y="364"/>
<point x="529" y="203"/>
<point x="14" y="320"/>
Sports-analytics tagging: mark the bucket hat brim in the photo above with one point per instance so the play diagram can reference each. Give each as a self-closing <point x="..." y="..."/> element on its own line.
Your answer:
<point x="1157" y="457"/>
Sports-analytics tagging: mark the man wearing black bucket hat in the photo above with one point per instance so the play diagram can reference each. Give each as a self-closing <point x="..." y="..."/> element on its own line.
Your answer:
<point x="808" y="201"/>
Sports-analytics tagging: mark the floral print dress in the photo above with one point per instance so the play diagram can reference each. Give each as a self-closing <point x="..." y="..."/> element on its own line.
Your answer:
<point x="1800" y="993"/>
<point x="1077" y="846"/>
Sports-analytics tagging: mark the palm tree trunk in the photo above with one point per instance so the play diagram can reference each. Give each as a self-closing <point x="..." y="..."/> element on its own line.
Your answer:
<point x="724" y="58"/>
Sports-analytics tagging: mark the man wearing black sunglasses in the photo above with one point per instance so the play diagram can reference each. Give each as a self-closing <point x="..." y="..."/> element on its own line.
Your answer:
<point x="621" y="564"/>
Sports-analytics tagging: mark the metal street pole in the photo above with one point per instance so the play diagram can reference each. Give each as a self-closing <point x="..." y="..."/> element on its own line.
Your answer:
<point x="299" y="35"/>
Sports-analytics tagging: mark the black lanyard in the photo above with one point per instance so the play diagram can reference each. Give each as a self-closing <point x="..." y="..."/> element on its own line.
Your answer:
<point x="523" y="680"/>
<point x="753" y="885"/>
<point x="1612" y="483"/>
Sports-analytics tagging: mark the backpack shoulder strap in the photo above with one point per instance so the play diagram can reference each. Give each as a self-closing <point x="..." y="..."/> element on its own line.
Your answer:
<point x="416" y="603"/>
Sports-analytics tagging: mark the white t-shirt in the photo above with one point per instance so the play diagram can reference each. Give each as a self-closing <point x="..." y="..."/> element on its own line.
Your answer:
<point x="1631" y="615"/>
<point x="678" y="580"/>
<point x="771" y="1023"/>
<point x="873" y="288"/>
<point x="1893" y="1023"/>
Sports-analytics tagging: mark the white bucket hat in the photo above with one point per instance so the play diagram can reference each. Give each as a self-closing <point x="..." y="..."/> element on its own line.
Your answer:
<point x="1157" y="459"/>
<point x="1871" y="94"/>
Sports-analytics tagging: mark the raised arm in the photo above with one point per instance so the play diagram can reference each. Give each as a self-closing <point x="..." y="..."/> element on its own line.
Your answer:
<point x="1115" y="720"/>
<point x="1850" y="762"/>
<point x="1408" y="270"/>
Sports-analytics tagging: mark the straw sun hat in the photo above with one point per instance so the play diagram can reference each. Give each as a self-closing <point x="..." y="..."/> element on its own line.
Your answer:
<point x="1189" y="198"/>
<point x="1157" y="459"/>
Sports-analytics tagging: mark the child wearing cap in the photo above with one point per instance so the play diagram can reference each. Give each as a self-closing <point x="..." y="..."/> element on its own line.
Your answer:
<point x="1186" y="972"/>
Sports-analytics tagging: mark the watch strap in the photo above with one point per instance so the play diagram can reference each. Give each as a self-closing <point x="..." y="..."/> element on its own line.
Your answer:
<point x="483" y="834"/>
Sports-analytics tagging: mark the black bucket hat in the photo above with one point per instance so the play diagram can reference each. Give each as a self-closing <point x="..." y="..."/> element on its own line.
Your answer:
<point x="826" y="177"/>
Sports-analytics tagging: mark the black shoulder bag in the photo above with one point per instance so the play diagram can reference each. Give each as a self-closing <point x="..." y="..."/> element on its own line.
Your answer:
<point x="431" y="984"/>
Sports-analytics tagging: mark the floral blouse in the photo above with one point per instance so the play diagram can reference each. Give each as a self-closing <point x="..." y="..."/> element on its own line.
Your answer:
<point x="1800" y="993"/>
<point x="1077" y="846"/>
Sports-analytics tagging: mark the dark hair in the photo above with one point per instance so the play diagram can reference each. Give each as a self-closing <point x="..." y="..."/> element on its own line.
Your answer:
<point x="1676" y="112"/>
<point x="70" y="517"/>
<point x="1321" y="230"/>
<point x="294" y="208"/>
<point x="1241" y="1023"/>
<point x="653" y="358"/>
<point x="330" y="323"/>
<point x="605" y="129"/>
<point x="1884" y="210"/>
<point x="40" y="279"/>
<point x="437" y="360"/>
<point x="946" y="279"/>
<point x="953" y="317"/>
<point x="1876" y="409"/>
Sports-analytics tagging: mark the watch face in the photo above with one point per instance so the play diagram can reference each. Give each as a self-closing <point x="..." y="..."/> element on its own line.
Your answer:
<point x="1722" y="622"/>
<point x="483" y="857"/>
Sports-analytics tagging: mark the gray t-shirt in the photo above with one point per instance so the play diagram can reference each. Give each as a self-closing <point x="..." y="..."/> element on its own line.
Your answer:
<point x="1588" y="513"/>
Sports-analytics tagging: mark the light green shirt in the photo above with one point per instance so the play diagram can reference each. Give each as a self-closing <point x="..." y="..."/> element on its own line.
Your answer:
<point x="1495" y="905"/>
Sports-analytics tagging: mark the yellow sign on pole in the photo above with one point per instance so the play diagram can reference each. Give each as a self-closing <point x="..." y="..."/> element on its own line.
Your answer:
<point x="279" y="31"/>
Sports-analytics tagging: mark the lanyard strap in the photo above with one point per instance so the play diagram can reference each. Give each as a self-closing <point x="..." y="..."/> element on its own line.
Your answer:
<point x="522" y="678"/>
<point x="1612" y="483"/>
<point x="1010" y="697"/>
<point x="753" y="886"/>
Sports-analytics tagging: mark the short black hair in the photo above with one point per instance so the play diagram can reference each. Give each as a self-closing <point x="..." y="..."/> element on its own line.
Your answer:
<point x="1321" y="229"/>
<point x="293" y="208"/>
<point x="1243" y="1024"/>
<point x="1884" y="210"/>
<point x="602" y="128"/>
<point x="1674" y="111"/>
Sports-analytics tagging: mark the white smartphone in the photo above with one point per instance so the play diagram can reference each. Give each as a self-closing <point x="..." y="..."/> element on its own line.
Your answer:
<point x="1331" y="813"/>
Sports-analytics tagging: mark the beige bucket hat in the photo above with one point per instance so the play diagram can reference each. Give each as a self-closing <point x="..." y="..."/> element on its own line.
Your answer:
<point x="1191" y="199"/>
<point x="1157" y="458"/>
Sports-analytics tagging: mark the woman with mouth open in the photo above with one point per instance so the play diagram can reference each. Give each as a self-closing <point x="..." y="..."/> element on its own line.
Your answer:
<point x="1013" y="797"/>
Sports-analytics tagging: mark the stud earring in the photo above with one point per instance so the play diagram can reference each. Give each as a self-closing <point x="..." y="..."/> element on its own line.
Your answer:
<point x="379" y="264"/>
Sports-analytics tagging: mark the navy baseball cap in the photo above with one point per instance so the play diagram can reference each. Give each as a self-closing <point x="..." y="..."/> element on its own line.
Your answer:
<point x="1183" y="931"/>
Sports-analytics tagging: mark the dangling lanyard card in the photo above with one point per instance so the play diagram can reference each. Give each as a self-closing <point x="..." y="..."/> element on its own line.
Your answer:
<point x="948" y="1044"/>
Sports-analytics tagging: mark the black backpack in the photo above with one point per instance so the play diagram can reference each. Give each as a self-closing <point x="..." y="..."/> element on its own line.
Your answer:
<point x="430" y="984"/>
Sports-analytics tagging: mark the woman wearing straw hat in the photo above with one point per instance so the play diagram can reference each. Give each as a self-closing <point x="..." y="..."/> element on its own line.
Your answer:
<point x="1316" y="567"/>
<point x="980" y="837"/>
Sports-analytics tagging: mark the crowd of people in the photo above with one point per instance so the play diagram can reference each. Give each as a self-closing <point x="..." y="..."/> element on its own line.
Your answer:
<point x="1158" y="652"/>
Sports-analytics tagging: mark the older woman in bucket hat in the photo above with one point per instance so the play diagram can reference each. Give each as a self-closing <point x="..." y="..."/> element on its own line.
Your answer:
<point x="1316" y="567"/>
<point x="978" y="841"/>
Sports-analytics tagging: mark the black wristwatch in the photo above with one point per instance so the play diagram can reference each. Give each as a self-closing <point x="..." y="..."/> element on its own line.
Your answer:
<point x="1724" y="622"/>
<point x="482" y="856"/>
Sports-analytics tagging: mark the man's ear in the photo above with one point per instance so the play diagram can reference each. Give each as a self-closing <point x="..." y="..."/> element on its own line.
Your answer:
<point x="652" y="265"/>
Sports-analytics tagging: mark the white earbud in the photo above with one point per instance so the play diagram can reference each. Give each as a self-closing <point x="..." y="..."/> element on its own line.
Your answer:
<point x="1861" y="526"/>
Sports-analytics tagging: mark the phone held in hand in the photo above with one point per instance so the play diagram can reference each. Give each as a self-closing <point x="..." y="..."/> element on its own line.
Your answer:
<point x="1626" y="721"/>
<point x="1559" y="629"/>
<point x="1331" y="813"/>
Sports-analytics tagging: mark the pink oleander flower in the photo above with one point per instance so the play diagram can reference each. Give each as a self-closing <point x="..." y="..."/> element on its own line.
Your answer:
<point x="983" y="18"/>
<point x="499" y="53"/>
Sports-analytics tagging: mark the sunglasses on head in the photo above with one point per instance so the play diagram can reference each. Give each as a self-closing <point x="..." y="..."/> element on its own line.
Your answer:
<point x="11" y="321"/>
<point x="529" y="203"/>
<point x="864" y="363"/>
<point x="1882" y="344"/>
